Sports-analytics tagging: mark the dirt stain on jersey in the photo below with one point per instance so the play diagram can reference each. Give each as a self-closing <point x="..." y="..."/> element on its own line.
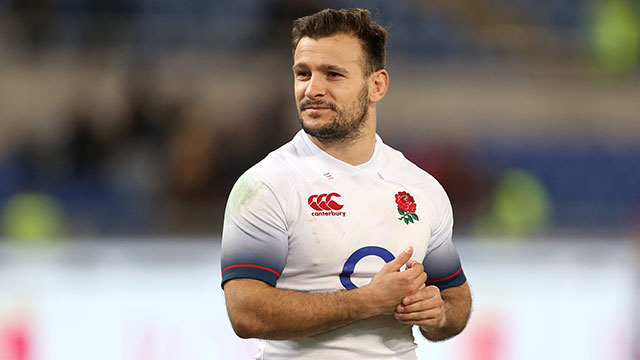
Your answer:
<point x="244" y="192"/>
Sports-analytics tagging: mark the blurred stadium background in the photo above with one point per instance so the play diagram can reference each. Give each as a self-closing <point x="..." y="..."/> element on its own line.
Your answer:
<point x="124" y="123"/>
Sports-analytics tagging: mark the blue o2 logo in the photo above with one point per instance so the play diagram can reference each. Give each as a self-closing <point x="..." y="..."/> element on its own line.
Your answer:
<point x="350" y="264"/>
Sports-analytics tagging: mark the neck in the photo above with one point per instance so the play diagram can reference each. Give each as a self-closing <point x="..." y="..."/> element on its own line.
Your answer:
<point x="354" y="152"/>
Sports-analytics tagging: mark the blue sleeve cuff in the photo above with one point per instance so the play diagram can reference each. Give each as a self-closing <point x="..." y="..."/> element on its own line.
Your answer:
<point x="456" y="279"/>
<point x="250" y="271"/>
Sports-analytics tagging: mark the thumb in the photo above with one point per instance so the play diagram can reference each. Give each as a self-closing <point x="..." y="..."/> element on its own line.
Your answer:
<point x="401" y="259"/>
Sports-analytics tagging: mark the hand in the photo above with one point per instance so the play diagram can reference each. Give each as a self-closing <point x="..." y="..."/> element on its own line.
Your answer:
<point x="424" y="308"/>
<point x="389" y="286"/>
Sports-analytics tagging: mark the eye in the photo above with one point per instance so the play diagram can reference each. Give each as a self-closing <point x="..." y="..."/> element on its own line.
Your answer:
<point x="302" y="74"/>
<point x="333" y="74"/>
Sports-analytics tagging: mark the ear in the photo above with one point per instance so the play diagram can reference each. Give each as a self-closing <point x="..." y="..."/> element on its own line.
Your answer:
<point x="378" y="85"/>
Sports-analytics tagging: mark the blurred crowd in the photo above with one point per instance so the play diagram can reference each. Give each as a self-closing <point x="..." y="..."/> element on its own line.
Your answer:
<point x="162" y="168"/>
<point x="164" y="163"/>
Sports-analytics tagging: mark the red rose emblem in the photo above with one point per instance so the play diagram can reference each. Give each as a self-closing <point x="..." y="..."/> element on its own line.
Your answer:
<point x="405" y="202"/>
<point x="406" y="207"/>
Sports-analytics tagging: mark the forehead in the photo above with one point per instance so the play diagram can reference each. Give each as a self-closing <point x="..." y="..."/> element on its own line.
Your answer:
<point x="341" y="49"/>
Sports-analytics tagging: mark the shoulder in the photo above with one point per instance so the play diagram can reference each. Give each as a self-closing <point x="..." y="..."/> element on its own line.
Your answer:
<point x="279" y="169"/>
<point x="277" y="173"/>
<point x="407" y="172"/>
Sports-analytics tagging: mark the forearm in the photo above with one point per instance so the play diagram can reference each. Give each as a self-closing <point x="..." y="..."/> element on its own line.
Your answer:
<point x="269" y="313"/>
<point x="457" y="308"/>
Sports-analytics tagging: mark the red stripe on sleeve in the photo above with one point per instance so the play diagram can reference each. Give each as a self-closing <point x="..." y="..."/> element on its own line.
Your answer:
<point x="250" y="266"/>
<point x="445" y="278"/>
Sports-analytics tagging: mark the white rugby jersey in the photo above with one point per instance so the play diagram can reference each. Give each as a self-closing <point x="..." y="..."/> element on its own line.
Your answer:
<point x="303" y="220"/>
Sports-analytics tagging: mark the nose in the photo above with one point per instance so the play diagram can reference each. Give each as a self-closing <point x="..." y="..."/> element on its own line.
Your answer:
<point x="315" y="87"/>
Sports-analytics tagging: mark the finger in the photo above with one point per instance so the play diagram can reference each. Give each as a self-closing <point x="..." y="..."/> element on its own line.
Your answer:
<point x="427" y="325"/>
<point x="419" y="281"/>
<point x="416" y="268"/>
<point x="431" y="314"/>
<point x="414" y="280"/>
<point x="399" y="309"/>
<point x="418" y="306"/>
<point x="423" y="293"/>
<point x="399" y="261"/>
<point x="412" y="263"/>
<point x="420" y="288"/>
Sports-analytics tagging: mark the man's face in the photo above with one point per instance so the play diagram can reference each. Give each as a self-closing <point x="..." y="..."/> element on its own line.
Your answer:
<point x="331" y="90"/>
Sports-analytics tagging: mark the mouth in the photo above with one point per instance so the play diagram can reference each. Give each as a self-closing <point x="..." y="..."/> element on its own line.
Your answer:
<point x="315" y="109"/>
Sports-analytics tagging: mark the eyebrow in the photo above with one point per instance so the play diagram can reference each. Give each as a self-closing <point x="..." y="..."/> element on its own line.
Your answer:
<point x="323" y="67"/>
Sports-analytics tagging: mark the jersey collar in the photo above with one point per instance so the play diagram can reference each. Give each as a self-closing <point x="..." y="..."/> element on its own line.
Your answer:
<point x="371" y="165"/>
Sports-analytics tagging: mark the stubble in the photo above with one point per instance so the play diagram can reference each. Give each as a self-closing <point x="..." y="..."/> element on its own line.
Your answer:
<point x="346" y="125"/>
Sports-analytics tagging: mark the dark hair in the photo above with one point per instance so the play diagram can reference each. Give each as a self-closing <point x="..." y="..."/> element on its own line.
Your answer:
<point x="357" y="22"/>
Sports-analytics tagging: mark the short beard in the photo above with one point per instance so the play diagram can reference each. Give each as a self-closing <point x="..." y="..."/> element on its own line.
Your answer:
<point x="345" y="127"/>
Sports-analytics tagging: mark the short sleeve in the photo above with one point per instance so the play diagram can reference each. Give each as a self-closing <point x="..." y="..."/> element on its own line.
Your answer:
<point x="254" y="235"/>
<point x="442" y="262"/>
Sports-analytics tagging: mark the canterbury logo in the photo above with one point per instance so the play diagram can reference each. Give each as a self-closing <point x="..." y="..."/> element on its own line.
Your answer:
<point x="324" y="202"/>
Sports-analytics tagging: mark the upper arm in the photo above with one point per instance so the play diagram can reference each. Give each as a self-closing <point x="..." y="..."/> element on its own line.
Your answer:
<point x="254" y="236"/>
<point x="240" y="292"/>
<point x="243" y="296"/>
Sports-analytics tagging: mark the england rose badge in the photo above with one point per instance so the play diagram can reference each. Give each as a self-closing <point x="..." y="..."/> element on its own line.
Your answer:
<point x="406" y="207"/>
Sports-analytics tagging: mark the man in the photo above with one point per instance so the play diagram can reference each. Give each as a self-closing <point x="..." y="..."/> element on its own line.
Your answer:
<point x="335" y="245"/>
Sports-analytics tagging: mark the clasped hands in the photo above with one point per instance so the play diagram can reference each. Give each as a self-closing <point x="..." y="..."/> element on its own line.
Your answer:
<point x="406" y="294"/>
